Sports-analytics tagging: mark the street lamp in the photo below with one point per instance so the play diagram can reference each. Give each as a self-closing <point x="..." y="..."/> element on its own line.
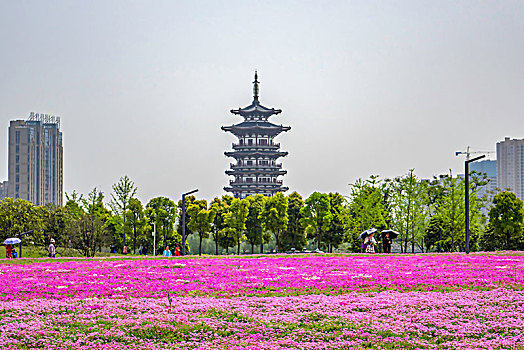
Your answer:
<point x="466" y="196"/>
<point x="184" y="220"/>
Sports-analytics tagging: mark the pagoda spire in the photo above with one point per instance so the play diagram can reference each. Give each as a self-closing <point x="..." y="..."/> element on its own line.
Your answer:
<point x="255" y="87"/>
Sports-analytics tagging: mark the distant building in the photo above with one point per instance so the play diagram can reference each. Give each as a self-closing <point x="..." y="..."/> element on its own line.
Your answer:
<point x="256" y="170"/>
<point x="35" y="159"/>
<point x="3" y="190"/>
<point x="488" y="167"/>
<point x="510" y="166"/>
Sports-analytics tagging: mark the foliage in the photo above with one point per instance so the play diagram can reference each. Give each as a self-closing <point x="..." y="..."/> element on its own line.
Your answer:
<point x="316" y="216"/>
<point x="235" y="222"/>
<point x="254" y="222"/>
<point x="295" y="235"/>
<point x="162" y="212"/>
<point x="275" y="217"/>
<point x="506" y="219"/>
<point x="124" y="190"/>
<point x="200" y="219"/>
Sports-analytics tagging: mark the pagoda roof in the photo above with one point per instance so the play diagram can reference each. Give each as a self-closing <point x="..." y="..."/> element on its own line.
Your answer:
<point x="255" y="108"/>
<point x="248" y="126"/>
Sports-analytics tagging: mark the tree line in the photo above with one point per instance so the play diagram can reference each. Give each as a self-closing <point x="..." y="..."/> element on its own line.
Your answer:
<point x="429" y="216"/>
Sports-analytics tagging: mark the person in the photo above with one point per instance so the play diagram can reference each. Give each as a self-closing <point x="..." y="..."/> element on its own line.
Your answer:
<point x="112" y="248"/>
<point x="144" y="250"/>
<point x="177" y="250"/>
<point x="386" y="243"/>
<point x="167" y="252"/>
<point x="124" y="251"/>
<point x="14" y="254"/>
<point x="140" y="249"/>
<point x="370" y="242"/>
<point x="52" y="250"/>
<point x="9" y="251"/>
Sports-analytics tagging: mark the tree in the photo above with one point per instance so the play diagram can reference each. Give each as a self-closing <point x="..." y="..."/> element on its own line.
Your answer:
<point x="275" y="217"/>
<point x="316" y="216"/>
<point x="19" y="216"/>
<point x="335" y="232"/>
<point x="295" y="235"/>
<point x="200" y="219"/>
<point x="124" y="190"/>
<point x="450" y="209"/>
<point x="136" y="220"/>
<point x="235" y="221"/>
<point x="54" y="221"/>
<point x="162" y="211"/>
<point x="366" y="209"/>
<point x="89" y="231"/>
<point x="506" y="219"/>
<point x="409" y="210"/>
<point x="254" y="221"/>
<point x="220" y="207"/>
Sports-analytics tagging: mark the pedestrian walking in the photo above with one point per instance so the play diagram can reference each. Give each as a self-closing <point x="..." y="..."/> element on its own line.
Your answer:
<point x="386" y="243"/>
<point x="177" y="250"/>
<point x="52" y="250"/>
<point x="370" y="242"/>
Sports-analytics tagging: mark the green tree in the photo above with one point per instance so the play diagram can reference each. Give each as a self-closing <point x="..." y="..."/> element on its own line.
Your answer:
<point x="136" y="221"/>
<point x="200" y="219"/>
<point x="89" y="231"/>
<point x="19" y="216"/>
<point x="162" y="211"/>
<point x="220" y="207"/>
<point x="275" y="217"/>
<point x="506" y="220"/>
<point x="410" y="204"/>
<point x="254" y="222"/>
<point x="316" y="216"/>
<point x="123" y="191"/>
<point x="366" y="209"/>
<point x="235" y="221"/>
<point x="295" y="235"/>
<point x="336" y="230"/>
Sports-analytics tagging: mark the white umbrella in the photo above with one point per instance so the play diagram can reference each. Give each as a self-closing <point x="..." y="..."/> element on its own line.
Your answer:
<point x="367" y="233"/>
<point x="13" y="240"/>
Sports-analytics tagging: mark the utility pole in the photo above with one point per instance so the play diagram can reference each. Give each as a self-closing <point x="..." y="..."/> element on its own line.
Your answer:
<point x="466" y="196"/>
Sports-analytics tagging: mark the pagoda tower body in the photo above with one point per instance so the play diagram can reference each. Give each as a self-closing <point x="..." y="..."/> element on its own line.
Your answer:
<point x="256" y="170"/>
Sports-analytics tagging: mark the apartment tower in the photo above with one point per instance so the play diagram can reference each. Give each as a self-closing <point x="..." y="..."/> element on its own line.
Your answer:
<point x="510" y="166"/>
<point x="35" y="159"/>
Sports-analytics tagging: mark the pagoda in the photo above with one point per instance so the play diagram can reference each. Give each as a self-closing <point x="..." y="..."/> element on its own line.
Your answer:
<point x="256" y="170"/>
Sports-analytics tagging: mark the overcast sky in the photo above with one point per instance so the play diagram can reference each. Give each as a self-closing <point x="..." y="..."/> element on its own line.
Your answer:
<point x="368" y="87"/>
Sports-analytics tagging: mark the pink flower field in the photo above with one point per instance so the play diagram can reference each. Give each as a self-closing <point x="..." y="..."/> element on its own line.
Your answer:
<point x="451" y="301"/>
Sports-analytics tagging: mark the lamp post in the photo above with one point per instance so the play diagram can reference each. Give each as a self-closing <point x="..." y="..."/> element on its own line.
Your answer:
<point x="184" y="220"/>
<point x="466" y="196"/>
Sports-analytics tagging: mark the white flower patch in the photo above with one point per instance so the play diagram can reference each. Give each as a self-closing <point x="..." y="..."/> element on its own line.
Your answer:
<point x="311" y="278"/>
<point x="286" y="268"/>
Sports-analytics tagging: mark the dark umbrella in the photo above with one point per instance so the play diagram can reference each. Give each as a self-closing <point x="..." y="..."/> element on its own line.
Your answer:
<point x="392" y="234"/>
<point x="367" y="233"/>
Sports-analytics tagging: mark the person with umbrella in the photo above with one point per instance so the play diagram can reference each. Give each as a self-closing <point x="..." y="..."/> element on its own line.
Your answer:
<point x="9" y="246"/>
<point x="387" y="240"/>
<point x="52" y="250"/>
<point x="369" y="241"/>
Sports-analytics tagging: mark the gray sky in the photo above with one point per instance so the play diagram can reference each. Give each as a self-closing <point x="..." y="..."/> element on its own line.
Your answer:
<point x="368" y="87"/>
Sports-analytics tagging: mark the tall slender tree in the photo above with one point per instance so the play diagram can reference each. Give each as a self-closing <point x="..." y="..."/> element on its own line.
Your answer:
<point x="123" y="191"/>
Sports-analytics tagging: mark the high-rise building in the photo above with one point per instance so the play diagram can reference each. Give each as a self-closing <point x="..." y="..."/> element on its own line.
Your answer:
<point x="3" y="190"/>
<point x="256" y="170"/>
<point x="510" y="166"/>
<point x="35" y="159"/>
<point x="488" y="167"/>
